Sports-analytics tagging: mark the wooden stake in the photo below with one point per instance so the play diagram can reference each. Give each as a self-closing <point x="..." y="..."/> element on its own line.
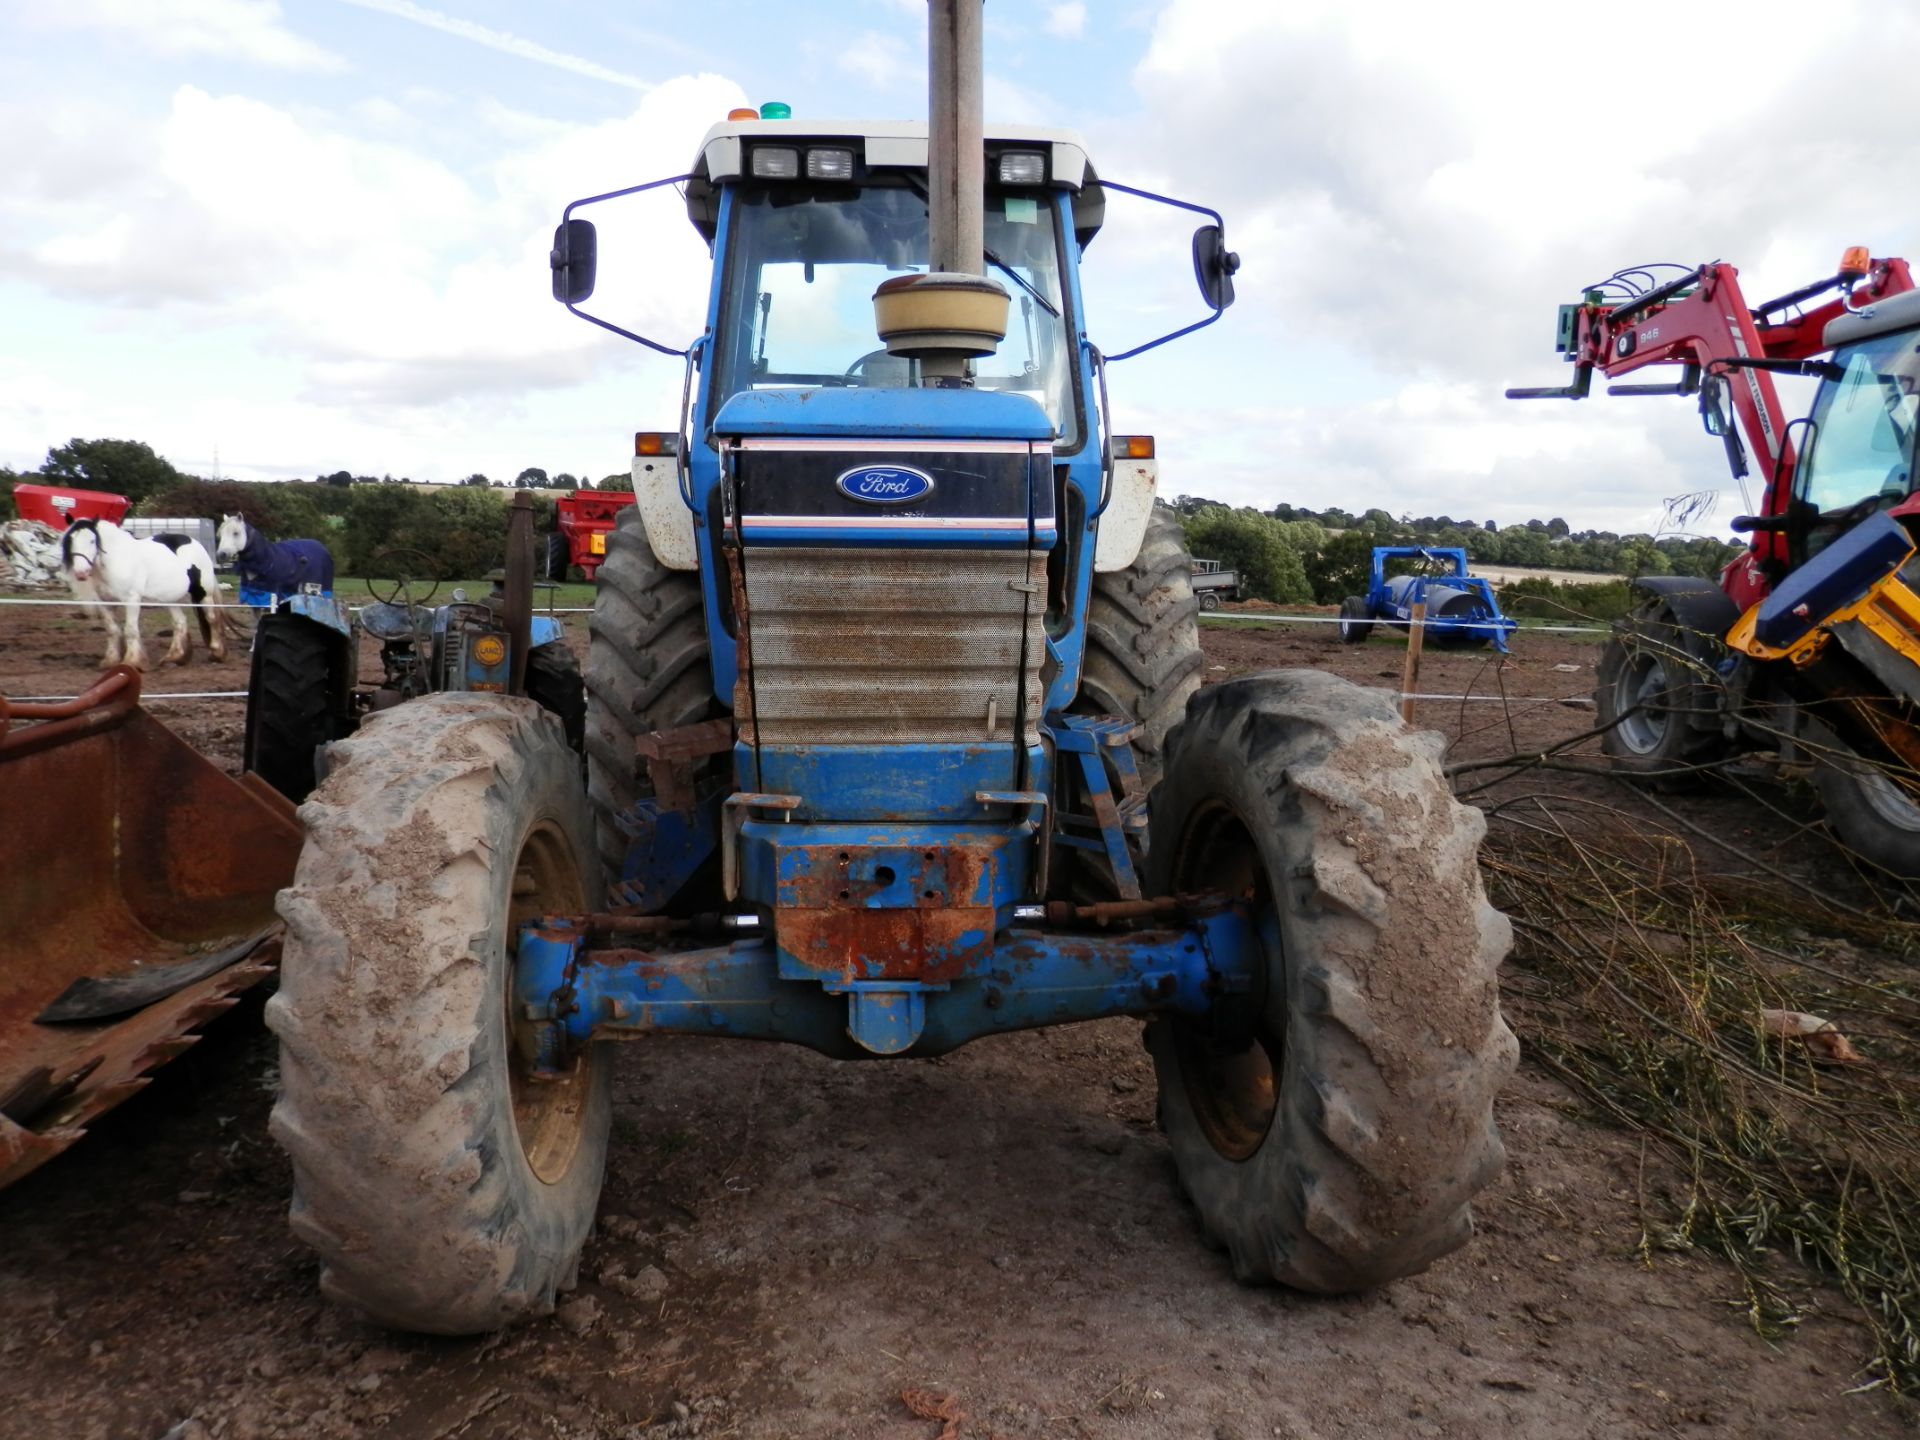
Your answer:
<point x="1410" y="673"/>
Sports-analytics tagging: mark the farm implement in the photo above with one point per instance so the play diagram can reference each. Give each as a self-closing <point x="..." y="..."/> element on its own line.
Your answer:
<point x="138" y="905"/>
<point x="1459" y="610"/>
<point x="894" y="740"/>
<point x="304" y="690"/>
<point x="1809" y="645"/>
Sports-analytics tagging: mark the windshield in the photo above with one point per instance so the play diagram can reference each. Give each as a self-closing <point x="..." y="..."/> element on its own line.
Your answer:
<point x="804" y="265"/>
<point x="1862" y="454"/>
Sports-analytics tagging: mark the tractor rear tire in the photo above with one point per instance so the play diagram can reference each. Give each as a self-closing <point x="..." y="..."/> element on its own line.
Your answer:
<point x="1654" y="679"/>
<point x="293" y="702"/>
<point x="1339" y="1147"/>
<point x="1355" y="624"/>
<point x="445" y="1188"/>
<point x="1874" y="818"/>
<point x="649" y="667"/>
<point x="1143" y="658"/>
<point x="554" y="684"/>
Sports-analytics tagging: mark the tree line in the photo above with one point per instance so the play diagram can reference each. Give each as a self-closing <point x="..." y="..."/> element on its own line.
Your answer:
<point x="1287" y="554"/>
<point x="375" y="525"/>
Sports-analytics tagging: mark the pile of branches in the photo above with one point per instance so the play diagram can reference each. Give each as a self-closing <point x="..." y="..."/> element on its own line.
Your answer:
<point x="1684" y="1004"/>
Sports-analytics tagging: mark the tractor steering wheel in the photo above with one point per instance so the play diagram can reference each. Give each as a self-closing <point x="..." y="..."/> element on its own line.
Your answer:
<point x="856" y="373"/>
<point x="399" y="587"/>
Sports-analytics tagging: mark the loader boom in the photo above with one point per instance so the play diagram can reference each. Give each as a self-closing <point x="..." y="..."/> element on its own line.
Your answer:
<point x="1728" y="351"/>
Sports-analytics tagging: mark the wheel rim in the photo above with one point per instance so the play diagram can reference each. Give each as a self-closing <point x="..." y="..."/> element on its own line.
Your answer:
<point x="549" y="1114"/>
<point x="1640" y="695"/>
<point x="1231" y="1081"/>
<point x="1888" y="800"/>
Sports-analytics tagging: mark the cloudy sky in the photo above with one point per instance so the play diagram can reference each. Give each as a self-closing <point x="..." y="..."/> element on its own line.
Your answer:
<point x="283" y="237"/>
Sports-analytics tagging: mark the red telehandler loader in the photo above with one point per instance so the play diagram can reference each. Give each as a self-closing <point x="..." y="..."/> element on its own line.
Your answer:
<point x="1809" y="645"/>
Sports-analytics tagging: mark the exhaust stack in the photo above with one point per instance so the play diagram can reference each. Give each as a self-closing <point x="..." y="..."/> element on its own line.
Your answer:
<point x="954" y="312"/>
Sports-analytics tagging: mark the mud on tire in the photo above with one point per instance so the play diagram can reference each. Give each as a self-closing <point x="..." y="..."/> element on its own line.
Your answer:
<point x="1339" y="1147"/>
<point x="648" y="668"/>
<point x="443" y="1189"/>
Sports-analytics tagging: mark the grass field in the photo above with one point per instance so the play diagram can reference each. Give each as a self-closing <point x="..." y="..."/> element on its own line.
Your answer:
<point x="559" y="597"/>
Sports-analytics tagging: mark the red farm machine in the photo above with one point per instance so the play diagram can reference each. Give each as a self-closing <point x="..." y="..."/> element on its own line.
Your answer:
<point x="1809" y="644"/>
<point x="582" y="523"/>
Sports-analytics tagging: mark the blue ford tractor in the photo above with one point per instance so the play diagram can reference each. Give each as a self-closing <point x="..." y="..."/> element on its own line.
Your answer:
<point x="895" y="740"/>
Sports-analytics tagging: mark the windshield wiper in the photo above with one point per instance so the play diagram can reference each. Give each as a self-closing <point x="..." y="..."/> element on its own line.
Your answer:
<point x="993" y="259"/>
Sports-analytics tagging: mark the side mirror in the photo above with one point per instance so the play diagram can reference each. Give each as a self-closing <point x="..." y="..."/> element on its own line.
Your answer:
<point x="1214" y="266"/>
<point x="574" y="251"/>
<point x="1713" y="414"/>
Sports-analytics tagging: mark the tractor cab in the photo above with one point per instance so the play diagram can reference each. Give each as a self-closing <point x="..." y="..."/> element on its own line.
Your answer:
<point x="1858" y="457"/>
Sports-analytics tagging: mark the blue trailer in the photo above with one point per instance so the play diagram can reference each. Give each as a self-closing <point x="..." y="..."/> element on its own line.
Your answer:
<point x="895" y="739"/>
<point x="1461" y="612"/>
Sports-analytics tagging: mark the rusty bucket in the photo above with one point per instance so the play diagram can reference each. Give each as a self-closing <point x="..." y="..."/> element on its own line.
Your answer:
<point x="136" y="903"/>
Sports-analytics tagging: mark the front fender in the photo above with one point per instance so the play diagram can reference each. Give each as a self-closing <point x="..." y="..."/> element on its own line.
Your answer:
<point x="1700" y="606"/>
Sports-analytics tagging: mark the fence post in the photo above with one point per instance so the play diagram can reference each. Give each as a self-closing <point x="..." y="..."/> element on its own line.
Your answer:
<point x="1410" y="672"/>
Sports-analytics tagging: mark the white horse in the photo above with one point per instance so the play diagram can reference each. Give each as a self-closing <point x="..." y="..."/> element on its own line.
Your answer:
<point x="172" y="570"/>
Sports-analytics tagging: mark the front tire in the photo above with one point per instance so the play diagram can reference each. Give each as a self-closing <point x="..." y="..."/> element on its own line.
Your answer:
<point x="554" y="684"/>
<point x="1332" y="1134"/>
<point x="296" y="702"/>
<point x="1874" y="817"/>
<point x="1656" y="684"/>
<point x="649" y="667"/>
<point x="444" y="1187"/>
<point x="1143" y="657"/>
<point x="1355" y="624"/>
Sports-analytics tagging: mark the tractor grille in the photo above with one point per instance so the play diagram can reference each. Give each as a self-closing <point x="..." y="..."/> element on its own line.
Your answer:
<point x="856" y="646"/>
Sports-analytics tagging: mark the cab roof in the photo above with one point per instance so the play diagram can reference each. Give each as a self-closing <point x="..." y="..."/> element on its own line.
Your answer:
<point x="886" y="145"/>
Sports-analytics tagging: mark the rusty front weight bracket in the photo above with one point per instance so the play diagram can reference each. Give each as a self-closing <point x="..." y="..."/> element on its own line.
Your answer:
<point x="733" y="814"/>
<point x="1038" y="820"/>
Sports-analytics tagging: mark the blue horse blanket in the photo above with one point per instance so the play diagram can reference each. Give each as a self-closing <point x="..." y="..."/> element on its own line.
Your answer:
<point x="281" y="567"/>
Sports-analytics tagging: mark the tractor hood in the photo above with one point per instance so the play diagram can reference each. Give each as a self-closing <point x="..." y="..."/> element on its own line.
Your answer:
<point x="890" y="414"/>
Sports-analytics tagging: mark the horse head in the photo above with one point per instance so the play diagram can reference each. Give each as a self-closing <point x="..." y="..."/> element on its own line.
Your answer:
<point x="233" y="536"/>
<point x="80" y="548"/>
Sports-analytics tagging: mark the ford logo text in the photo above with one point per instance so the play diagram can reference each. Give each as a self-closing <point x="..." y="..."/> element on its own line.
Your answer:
<point x="885" y="484"/>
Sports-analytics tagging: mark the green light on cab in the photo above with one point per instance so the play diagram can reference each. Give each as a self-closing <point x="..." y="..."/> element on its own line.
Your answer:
<point x="776" y="110"/>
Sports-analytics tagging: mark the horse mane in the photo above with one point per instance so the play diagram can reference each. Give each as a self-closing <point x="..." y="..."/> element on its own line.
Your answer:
<point x="66" y="537"/>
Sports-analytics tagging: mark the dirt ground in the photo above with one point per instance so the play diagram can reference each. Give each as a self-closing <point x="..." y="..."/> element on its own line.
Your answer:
<point x="787" y="1244"/>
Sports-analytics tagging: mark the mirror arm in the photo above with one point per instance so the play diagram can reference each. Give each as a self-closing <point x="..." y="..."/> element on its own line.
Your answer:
<point x="1170" y="335"/>
<point x="1213" y="215"/>
<point x="567" y="214"/>
<point x="628" y="334"/>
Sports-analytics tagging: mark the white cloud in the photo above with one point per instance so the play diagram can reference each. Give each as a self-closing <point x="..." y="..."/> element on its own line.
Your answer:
<point x="1068" y="21"/>
<point x="1412" y="195"/>
<point x="882" y="60"/>
<point x="250" y="30"/>
<point x="391" y="282"/>
<point x="503" y="41"/>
